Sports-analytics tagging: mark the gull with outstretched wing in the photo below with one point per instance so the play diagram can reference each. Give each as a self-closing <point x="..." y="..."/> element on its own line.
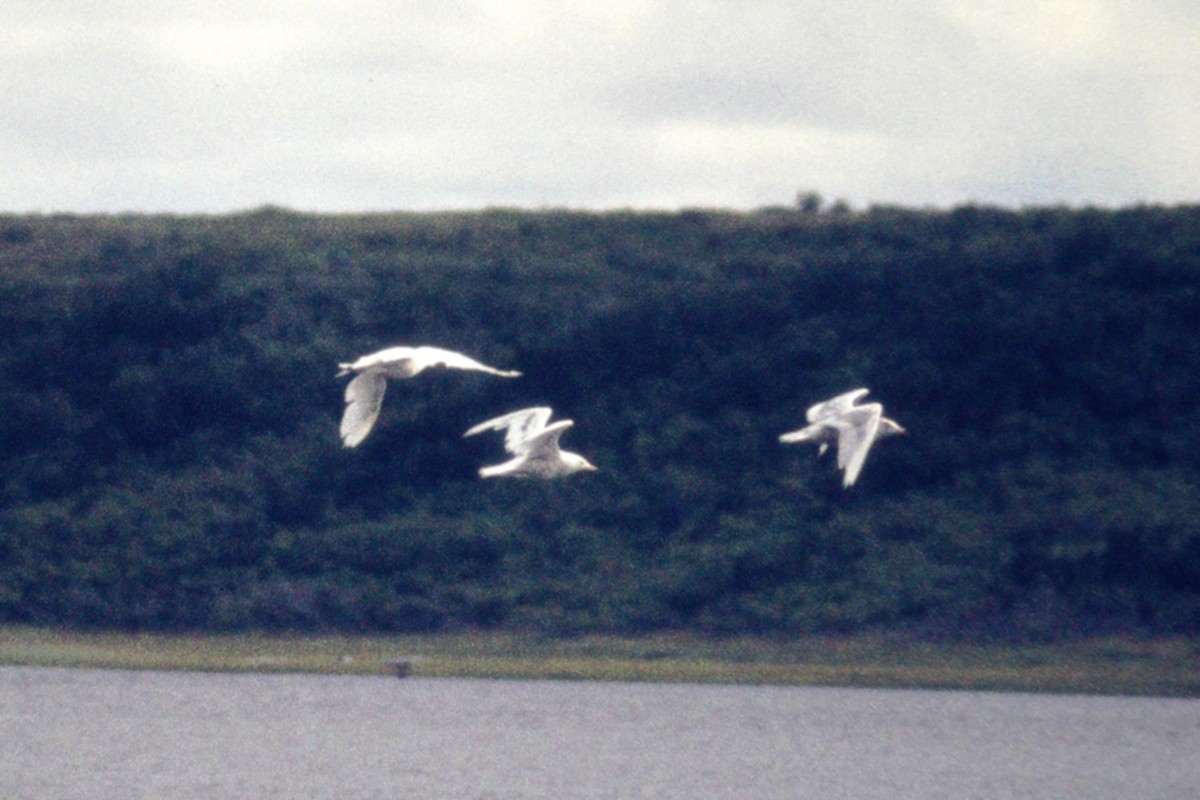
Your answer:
<point x="533" y="442"/>
<point x="853" y="428"/>
<point x="364" y="393"/>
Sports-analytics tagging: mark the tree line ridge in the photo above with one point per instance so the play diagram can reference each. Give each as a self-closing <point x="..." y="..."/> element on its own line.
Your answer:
<point x="170" y="458"/>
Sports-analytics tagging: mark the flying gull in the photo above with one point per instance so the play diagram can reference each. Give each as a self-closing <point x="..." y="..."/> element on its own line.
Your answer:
<point x="364" y="393"/>
<point x="853" y="428"/>
<point x="533" y="444"/>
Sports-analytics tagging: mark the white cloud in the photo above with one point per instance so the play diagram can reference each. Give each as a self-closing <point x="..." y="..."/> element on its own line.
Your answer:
<point x="376" y="104"/>
<point x="216" y="47"/>
<point x="1040" y="35"/>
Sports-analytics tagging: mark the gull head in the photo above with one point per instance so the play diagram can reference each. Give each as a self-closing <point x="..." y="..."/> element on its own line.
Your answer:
<point x="574" y="462"/>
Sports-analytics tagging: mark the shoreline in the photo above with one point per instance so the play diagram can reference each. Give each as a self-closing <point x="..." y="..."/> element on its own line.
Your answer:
<point x="1167" y="667"/>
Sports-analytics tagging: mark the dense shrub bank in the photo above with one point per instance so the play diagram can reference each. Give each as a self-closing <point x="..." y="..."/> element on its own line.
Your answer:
<point x="170" y="459"/>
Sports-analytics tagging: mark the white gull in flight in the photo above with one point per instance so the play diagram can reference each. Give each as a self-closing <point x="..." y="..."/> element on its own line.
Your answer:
<point x="853" y="428"/>
<point x="364" y="393"/>
<point x="533" y="444"/>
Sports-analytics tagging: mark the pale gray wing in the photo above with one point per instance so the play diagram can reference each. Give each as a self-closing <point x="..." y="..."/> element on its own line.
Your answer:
<point x="856" y="433"/>
<point x="364" y="396"/>
<point x="806" y="434"/>
<point x="431" y="356"/>
<point x="394" y="361"/>
<point x="521" y="426"/>
<point x="543" y="445"/>
<point x="526" y="430"/>
<point x="835" y="406"/>
<point x="823" y="433"/>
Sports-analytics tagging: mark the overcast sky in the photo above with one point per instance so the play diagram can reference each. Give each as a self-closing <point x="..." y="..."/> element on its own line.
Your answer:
<point x="365" y="105"/>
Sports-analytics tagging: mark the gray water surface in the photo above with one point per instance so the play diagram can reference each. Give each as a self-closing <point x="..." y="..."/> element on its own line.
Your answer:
<point x="92" y="734"/>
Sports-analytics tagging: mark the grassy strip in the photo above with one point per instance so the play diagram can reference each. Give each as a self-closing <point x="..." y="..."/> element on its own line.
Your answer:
<point x="1169" y="667"/>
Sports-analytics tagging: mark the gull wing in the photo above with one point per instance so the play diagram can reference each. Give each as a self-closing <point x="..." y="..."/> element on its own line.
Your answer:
<point x="364" y="396"/>
<point x="836" y="406"/>
<point x="806" y="434"/>
<point x="405" y="362"/>
<point x="823" y="433"/>
<point x="396" y="361"/>
<point x="434" y="356"/>
<point x="522" y="426"/>
<point x="856" y="432"/>
<point x="543" y="445"/>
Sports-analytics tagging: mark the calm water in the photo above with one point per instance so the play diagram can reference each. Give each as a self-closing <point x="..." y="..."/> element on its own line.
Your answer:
<point x="85" y="734"/>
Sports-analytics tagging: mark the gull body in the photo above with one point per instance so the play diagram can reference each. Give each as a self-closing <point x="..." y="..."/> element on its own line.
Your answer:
<point x="533" y="442"/>
<point x="826" y="410"/>
<point x="852" y="428"/>
<point x="364" y="393"/>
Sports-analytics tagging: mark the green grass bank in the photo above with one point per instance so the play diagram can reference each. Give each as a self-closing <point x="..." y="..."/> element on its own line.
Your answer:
<point x="1124" y="666"/>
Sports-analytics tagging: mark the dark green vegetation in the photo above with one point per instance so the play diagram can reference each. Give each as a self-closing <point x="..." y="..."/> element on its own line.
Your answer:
<point x="1165" y="667"/>
<point x="169" y="457"/>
